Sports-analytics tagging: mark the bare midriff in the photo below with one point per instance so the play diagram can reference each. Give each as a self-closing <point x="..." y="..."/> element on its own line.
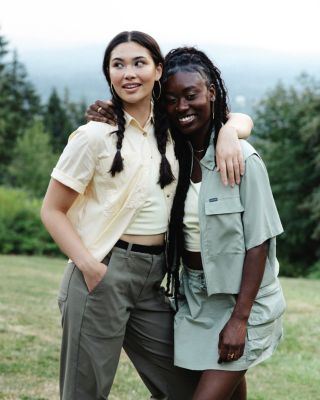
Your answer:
<point x="146" y="240"/>
<point x="192" y="259"/>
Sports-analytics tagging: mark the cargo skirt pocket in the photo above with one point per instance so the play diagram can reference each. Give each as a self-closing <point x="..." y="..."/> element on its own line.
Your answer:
<point x="262" y="340"/>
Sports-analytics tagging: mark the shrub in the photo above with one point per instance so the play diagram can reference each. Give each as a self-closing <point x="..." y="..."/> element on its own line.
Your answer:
<point x="21" y="230"/>
<point x="314" y="272"/>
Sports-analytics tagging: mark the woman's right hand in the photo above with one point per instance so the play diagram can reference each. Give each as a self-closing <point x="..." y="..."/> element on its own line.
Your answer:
<point x="232" y="340"/>
<point x="101" y="111"/>
<point x="94" y="274"/>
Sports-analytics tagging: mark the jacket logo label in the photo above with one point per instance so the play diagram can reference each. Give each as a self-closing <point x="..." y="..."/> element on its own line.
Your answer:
<point x="213" y="199"/>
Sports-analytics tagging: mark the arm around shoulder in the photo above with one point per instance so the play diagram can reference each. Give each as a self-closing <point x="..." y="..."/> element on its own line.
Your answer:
<point x="242" y="123"/>
<point x="228" y="152"/>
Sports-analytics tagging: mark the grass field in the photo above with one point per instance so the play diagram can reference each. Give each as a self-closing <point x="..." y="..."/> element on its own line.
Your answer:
<point x="30" y="337"/>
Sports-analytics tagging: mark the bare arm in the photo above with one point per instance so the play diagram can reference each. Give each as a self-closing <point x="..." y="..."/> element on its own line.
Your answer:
<point x="58" y="199"/>
<point x="242" y="123"/>
<point x="228" y="152"/>
<point x="232" y="337"/>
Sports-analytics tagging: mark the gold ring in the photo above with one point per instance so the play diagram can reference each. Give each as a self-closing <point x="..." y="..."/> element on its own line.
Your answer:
<point x="99" y="109"/>
<point x="231" y="356"/>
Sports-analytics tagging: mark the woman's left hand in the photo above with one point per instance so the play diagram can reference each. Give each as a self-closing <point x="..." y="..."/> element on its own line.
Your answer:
<point x="229" y="156"/>
<point x="232" y="340"/>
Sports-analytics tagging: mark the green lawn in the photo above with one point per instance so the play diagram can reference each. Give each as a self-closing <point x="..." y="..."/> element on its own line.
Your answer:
<point x="30" y="337"/>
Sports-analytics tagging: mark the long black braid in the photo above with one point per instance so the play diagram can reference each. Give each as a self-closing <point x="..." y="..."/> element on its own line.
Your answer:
<point x="160" y="121"/>
<point x="175" y="234"/>
<point x="189" y="59"/>
<point x="117" y="164"/>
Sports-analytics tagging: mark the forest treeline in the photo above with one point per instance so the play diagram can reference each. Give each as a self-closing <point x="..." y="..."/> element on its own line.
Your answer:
<point x="32" y="134"/>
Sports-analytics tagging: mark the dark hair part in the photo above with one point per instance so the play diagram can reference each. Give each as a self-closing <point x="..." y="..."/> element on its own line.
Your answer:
<point x="160" y="120"/>
<point x="189" y="59"/>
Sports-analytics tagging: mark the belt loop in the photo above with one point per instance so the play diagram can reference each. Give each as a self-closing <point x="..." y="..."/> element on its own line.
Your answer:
<point x="128" y="250"/>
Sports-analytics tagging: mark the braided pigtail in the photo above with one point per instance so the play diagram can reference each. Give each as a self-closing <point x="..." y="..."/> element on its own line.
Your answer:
<point x="220" y="105"/>
<point x="117" y="164"/>
<point x="176" y="237"/>
<point x="161" y="133"/>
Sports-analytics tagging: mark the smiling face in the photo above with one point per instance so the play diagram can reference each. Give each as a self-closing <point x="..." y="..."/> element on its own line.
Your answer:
<point x="189" y="103"/>
<point x="133" y="73"/>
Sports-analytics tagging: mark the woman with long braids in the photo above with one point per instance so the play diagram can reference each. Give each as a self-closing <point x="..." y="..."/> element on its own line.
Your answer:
<point x="228" y="295"/>
<point x="107" y="207"/>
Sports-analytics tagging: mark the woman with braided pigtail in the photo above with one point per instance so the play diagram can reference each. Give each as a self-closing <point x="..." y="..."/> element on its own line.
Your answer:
<point x="221" y="257"/>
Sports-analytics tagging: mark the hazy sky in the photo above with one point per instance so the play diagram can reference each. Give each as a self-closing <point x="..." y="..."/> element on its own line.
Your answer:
<point x="289" y="26"/>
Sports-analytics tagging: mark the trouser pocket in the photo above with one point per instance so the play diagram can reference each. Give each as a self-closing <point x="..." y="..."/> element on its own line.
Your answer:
<point x="64" y="286"/>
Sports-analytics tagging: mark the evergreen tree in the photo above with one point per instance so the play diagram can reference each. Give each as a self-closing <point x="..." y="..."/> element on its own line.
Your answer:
<point x="75" y="110"/>
<point x="288" y="128"/>
<point x="33" y="160"/>
<point x="19" y="103"/>
<point x="57" y="121"/>
<point x="3" y="52"/>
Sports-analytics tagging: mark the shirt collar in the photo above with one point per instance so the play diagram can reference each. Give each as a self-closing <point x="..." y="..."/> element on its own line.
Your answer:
<point x="208" y="160"/>
<point x="130" y="120"/>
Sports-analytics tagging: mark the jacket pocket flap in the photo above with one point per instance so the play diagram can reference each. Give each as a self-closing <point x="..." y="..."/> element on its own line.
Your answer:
<point x="223" y="206"/>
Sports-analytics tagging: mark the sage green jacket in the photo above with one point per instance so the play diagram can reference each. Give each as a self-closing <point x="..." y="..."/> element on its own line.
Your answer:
<point x="233" y="220"/>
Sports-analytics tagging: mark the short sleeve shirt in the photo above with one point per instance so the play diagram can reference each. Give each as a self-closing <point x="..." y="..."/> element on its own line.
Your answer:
<point x="235" y="219"/>
<point x="106" y="205"/>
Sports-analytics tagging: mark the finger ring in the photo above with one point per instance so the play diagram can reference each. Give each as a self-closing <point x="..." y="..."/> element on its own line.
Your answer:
<point x="99" y="109"/>
<point x="231" y="356"/>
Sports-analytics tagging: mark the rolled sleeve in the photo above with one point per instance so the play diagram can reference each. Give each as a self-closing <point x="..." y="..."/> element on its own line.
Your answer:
<point x="260" y="219"/>
<point x="76" y="165"/>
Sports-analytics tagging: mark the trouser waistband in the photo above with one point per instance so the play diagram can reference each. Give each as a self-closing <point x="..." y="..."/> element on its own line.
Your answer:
<point x="140" y="248"/>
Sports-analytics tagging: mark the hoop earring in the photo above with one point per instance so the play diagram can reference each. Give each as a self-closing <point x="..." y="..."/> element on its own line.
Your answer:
<point x="113" y="92"/>
<point x="153" y="91"/>
<point x="213" y="98"/>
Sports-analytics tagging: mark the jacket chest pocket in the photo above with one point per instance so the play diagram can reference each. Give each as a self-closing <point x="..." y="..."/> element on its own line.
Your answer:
<point x="224" y="230"/>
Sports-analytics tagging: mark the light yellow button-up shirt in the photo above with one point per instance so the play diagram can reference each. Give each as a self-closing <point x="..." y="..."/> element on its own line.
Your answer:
<point x="106" y="205"/>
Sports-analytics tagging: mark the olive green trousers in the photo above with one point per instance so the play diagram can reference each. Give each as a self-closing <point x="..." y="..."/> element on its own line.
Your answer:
<point x="126" y="309"/>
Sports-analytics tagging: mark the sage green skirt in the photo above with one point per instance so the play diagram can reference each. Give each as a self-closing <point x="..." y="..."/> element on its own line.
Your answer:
<point x="201" y="318"/>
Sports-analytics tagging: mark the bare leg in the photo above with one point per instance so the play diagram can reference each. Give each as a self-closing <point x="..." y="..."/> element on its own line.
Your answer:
<point x="219" y="385"/>
<point x="240" y="393"/>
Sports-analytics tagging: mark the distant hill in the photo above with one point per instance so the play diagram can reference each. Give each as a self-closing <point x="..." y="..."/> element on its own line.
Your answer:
<point x="248" y="73"/>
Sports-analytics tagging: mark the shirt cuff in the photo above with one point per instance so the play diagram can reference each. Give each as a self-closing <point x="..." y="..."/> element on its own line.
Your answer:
<point x="68" y="181"/>
<point x="263" y="237"/>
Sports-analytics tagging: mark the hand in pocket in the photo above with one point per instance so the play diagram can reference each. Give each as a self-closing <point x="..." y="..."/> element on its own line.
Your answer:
<point x="94" y="275"/>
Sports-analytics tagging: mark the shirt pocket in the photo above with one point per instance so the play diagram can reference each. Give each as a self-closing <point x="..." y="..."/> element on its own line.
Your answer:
<point x="227" y="205"/>
<point x="224" y="229"/>
<point x="104" y="163"/>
